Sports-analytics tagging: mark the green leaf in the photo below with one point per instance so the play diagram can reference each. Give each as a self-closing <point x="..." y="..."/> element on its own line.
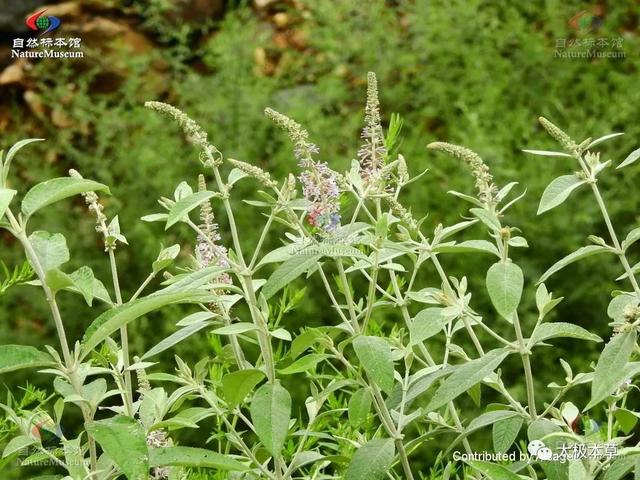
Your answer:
<point x="490" y="219"/>
<point x="57" y="280"/>
<point x="558" y="191"/>
<point x="466" y="376"/>
<point x="181" y="208"/>
<point x="426" y="324"/>
<point x="165" y="258"/>
<point x="192" y="457"/>
<point x="633" y="156"/>
<point x="270" y="414"/>
<point x="51" y="250"/>
<point x="11" y="153"/>
<point x="546" y="331"/>
<point x="469" y="246"/>
<point x="175" y="338"/>
<point x="57" y="189"/>
<point x="627" y="419"/>
<point x="16" y="444"/>
<point x="117" y="317"/>
<point x="73" y="456"/>
<point x="375" y="356"/>
<point x="288" y="272"/>
<point x="124" y="440"/>
<point x="237" y="385"/>
<point x="492" y="470"/>
<point x="6" y="195"/>
<point x="84" y="280"/>
<point x="620" y="467"/>
<point x="16" y="357"/>
<point x="235" y="329"/>
<point x="303" y="364"/>
<point x="610" y="370"/>
<point x="505" y="432"/>
<point x="372" y="460"/>
<point x="303" y="341"/>
<point x="359" y="407"/>
<point x="547" y="153"/>
<point x="582" y="252"/>
<point x="632" y="237"/>
<point x="504" y="284"/>
<point x="619" y="304"/>
<point x="604" y="138"/>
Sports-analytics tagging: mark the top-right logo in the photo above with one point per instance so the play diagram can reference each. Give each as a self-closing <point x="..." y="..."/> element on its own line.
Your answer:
<point x="588" y="21"/>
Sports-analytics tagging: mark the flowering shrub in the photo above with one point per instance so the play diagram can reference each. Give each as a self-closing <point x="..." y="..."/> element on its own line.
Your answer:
<point x="373" y="393"/>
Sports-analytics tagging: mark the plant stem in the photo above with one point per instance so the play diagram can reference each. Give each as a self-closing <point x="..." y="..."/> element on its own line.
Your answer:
<point x="57" y="319"/>
<point x="614" y="239"/>
<point x="526" y="363"/>
<point x="244" y="276"/>
<point x="347" y="295"/>
<point x="124" y="337"/>
<point x="146" y="282"/>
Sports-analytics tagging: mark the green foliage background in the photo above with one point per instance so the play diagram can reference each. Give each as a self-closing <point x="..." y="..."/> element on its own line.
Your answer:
<point x="477" y="73"/>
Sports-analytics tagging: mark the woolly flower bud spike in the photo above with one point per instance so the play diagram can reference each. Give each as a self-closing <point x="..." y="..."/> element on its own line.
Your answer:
<point x="208" y="252"/>
<point x="95" y="207"/>
<point x="484" y="180"/>
<point x="562" y="138"/>
<point x="372" y="152"/>
<point x="253" y="171"/>
<point x="194" y="132"/>
<point x="319" y="182"/>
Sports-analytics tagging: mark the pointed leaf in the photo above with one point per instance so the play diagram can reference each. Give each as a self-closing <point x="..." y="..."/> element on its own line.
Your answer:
<point x="505" y="432"/>
<point x="11" y="153"/>
<point x="493" y="471"/>
<point x="426" y="324"/>
<point x="469" y="246"/>
<point x="466" y="376"/>
<point x="235" y="329"/>
<point x="372" y="460"/>
<point x="288" y="272"/>
<point x="84" y="280"/>
<point x="124" y="440"/>
<point x="51" y="250"/>
<point x="504" y="284"/>
<point x="547" y="153"/>
<point x="6" y="195"/>
<point x="558" y="191"/>
<point x="604" y="138"/>
<point x="633" y="156"/>
<point x="270" y="414"/>
<point x="359" y="407"/>
<point x="375" y="356"/>
<point x="57" y="189"/>
<point x="547" y="331"/>
<point x="192" y="457"/>
<point x="303" y="364"/>
<point x="237" y="385"/>
<point x="16" y="357"/>
<point x="182" y="207"/>
<point x="579" y="254"/>
<point x="610" y="370"/>
<point x="117" y="317"/>
<point x="174" y="338"/>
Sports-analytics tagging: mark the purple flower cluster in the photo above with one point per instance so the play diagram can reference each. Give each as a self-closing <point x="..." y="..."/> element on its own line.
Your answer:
<point x="320" y="188"/>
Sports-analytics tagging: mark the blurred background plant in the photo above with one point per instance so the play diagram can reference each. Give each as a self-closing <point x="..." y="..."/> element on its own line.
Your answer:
<point x="473" y="72"/>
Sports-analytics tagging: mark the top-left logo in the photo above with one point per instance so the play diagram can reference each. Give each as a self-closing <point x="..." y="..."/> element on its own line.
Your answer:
<point x="43" y="24"/>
